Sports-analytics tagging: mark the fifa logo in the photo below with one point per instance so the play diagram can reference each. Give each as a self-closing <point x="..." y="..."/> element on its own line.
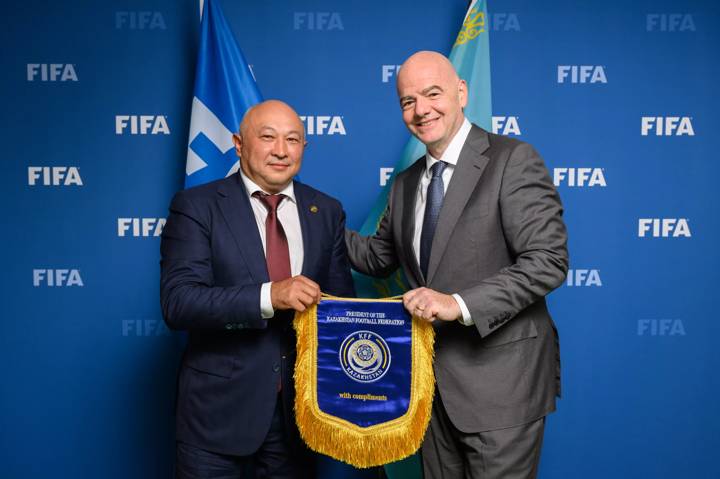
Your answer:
<point x="581" y="74"/>
<point x="506" y="125"/>
<point x="667" y="126"/>
<point x="660" y="327"/>
<point x="583" y="277"/>
<point x="144" y="327"/>
<point x="54" y="176"/>
<point x="51" y="72"/>
<point x="669" y="22"/>
<point x="323" y="125"/>
<point x="579" y="177"/>
<point x="388" y="71"/>
<point x="141" y="124"/>
<point x="139" y="21"/>
<point x="317" y="21"/>
<point x="57" y="277"/>
<point x="140" y="227"/>
<point x="664" y="227"/>
<point x="503" y="22"/>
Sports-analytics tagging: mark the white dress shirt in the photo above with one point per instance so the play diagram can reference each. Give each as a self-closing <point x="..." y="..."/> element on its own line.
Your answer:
<point x="450" y="156"/>
<point x="287" y="214"/>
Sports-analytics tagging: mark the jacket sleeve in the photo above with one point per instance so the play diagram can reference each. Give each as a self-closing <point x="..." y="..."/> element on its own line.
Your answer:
<point x="340" y="282"/>
<point x="536" y="236"/>
<point x="375" y="255"/>
<point x="188" y="296"/>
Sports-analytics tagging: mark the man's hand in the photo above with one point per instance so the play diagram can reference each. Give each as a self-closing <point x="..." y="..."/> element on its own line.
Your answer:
<point x="427" y="304"/>
<point x="296" y="293"/>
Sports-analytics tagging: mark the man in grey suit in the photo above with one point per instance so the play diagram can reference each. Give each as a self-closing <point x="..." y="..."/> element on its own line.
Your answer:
<point x="476" y="225"/>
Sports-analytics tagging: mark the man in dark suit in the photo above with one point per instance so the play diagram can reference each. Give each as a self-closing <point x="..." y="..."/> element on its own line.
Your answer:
<point x="476" y="226"/>
<point x="239" y="256"/>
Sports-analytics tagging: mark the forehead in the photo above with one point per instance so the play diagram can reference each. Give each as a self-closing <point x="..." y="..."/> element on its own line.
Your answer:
<point x="279" y="119"/>
<point x="418" y="77"/>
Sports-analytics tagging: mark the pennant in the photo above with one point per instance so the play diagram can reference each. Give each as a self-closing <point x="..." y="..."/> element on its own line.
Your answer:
<point x="363" y="379"/>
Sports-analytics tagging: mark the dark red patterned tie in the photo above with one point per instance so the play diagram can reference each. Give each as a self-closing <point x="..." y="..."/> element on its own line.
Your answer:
<point x="277" y="253"/>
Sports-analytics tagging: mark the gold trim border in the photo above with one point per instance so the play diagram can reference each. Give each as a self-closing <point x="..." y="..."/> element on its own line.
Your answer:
<point x="362" y="446"/>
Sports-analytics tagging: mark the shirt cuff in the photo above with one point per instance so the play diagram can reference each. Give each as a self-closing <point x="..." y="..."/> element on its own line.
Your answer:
<point x="466" y="318"/>
<point x="266" y="309"/>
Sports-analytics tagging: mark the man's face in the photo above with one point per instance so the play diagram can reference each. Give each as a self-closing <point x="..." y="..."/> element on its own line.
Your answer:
<point x="432" y="98"/>
<point x="270" y="145"/>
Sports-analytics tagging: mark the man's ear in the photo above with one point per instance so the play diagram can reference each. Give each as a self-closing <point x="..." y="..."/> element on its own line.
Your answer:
<point x="237" y="141"/>
<point x="462" y="93"/>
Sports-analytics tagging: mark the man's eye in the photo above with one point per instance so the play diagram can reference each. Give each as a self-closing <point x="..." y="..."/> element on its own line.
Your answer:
<point x="434" y="94"/>
<point x="293" y="140"/>
<point x="266" y="137"/>
<point x="406" y="104"/>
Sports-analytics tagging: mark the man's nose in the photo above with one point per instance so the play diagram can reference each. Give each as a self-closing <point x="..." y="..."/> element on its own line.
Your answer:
<point x="422" y="107"/>
<point x="280" y="148"/>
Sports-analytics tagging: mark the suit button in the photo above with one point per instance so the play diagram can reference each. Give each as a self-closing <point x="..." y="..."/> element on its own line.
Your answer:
<point x="228" y="326"/>
<point x="276" y="368"/>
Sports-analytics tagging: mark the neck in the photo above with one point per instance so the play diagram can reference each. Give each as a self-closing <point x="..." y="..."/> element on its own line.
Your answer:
<point x="439" y="149"/>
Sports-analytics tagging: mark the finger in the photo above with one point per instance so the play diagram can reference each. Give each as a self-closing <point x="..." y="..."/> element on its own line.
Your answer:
<point x="410" y="302"/>
<point x="307" y="281"/>
<point x="298" y="306"/>
<point x="410" y="295"/>
<point x="306" y="299"/>
<point x="311" y="292"/>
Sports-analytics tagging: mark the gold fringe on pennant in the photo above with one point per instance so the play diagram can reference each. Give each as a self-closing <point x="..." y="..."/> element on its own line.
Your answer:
<point x="362" y="446"/>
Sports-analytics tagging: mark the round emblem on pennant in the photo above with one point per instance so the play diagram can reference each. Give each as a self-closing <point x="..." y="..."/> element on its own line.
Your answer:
<point x="364" y="356"/>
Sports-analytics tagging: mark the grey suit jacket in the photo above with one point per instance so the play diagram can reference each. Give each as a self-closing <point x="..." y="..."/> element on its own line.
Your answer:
<point x="501" y="244"/>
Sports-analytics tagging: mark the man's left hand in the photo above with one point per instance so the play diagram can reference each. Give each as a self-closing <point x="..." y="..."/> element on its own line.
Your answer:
<point x="428" y="304"/>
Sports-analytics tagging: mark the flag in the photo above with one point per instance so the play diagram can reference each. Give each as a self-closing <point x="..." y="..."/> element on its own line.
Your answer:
<point x="470" y="55"/>
<point x="224" y="89"/>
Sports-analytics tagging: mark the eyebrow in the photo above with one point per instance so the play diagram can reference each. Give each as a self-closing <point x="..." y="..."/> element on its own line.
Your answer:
<point x="431" y="88"/>
<point x="423" y="92"/>
<point x="270" y="129"/>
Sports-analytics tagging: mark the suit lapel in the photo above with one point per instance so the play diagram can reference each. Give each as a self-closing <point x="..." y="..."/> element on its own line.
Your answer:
<point x="470" y="167"/>
<point x="409" y="198"/>
<point x="304" y="198"/>
<point x="237" y="211"/>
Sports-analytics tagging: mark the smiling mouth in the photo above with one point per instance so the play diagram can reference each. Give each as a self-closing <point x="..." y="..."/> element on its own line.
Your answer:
<point x="424" y="123"/>
<point x="279" y="166"/>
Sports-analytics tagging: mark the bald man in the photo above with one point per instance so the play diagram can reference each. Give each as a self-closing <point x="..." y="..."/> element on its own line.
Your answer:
<point x="476" y="225"/>
<point x="239" y="256"/>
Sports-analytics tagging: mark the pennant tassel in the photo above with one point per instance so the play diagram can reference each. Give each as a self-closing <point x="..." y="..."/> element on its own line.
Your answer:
<point x="362" y="446"/>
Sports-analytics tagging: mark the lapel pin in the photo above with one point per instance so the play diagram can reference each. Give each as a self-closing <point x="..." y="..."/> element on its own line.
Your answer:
<point x="314" y="209"/>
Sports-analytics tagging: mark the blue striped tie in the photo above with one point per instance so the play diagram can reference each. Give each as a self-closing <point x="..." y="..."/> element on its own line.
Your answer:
<point x="434" y="197"/>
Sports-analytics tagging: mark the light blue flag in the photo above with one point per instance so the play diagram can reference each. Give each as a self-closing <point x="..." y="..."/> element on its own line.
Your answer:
<point x="224" y="89"/>
<point x="470" y="56"/>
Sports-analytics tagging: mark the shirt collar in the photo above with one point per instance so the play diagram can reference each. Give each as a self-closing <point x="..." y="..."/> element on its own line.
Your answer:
<point x="252" y="187"/>
<point x="452" y="152"/>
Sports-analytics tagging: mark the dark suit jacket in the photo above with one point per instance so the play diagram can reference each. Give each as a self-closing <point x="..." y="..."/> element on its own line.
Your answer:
<point x="501" y="244"/>
<point x="212" y="269"/>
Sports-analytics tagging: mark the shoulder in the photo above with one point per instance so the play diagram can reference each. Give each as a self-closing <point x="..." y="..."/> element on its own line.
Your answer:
<point x="208" y="191"/>
<point x="309" y="194"/>
<point x="494" y="145"/>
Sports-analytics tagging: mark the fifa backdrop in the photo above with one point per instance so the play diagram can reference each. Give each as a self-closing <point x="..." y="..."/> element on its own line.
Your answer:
<point x="618" y="97"/>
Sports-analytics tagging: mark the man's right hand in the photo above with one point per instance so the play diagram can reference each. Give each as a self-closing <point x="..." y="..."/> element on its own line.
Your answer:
<point x="296" y="293"/>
